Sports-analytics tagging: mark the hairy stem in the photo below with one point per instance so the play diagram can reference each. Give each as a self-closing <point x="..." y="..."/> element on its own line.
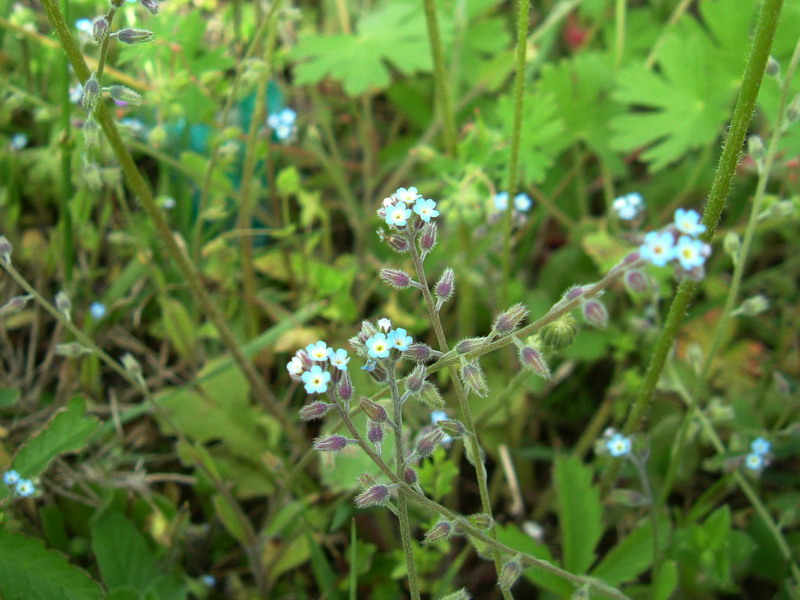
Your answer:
<point x="440" y="77"/>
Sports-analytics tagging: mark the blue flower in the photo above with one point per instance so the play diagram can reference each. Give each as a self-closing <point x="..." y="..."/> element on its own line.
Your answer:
<point x="426" y="209"/>
<point x="134" y="125"/>
<point x="339" y="359"/>
<point x="19" y="141"/>
<point x="398" y="214"/>
<point x="318" y="351"/>
<point x="316" y="380"/>
<point x="501" y="201"/>
<point x="398" y="338"/>
<point x="283" y="123"/>
<point x="440" y="415"/>
<point x="10" y="477"/>
<point x="370" y="366"/>
<point x="208" y="580"/>
<point x="755" y="462"/>
<point x="688" y="222"/>
<point x="407" y="196"/>
<point x="97" y="310"/>
<point x="84" y="25"/>
<point x="760" y="446"/>
<point x="629" y="206"/>
<point x="25" y="488"/>
<point x="522" y="202"/>
<point x="689" y="252"/>
<point x="378" y="346"/>
<point x="619" y="445"/>
<point x="658" y="248"/>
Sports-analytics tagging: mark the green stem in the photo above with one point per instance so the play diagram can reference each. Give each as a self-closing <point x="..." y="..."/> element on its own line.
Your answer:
<point x="66" y="143"/>
<point x="440" y="77"/>
<point x="516" y="136"/>
<point x="619" y="27"/>
<point x="742" y="113"/>
<point x="463" y="404"/>
<point x="140" y="189"/>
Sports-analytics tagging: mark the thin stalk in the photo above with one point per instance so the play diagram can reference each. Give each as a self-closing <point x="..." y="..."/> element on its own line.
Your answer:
<point x="140" y="189"/>
<point x="463" y="404"/>
<point x="402" y="498"/>
<point x="641" y="470"/>
<point x="440" y="77"/>
<point x="742" y="113"/>
<point x="67" y="144"/>
<point x="516" y="136"/>
<point x="619" y="31"/>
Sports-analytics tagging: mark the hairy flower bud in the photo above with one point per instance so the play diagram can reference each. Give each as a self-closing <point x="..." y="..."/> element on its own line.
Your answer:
<point x="395" y="278"/>
<point x="398" y="243"/>
<point x="91" y="93"/>
<point x="755" y="148"/>
<point x="429" y="396"/>
<point x="753" y="306"/>
<point x="378" y="373"/>
<point x="480" y="521"/>
<point x="91" y="132"/>
<point x="410" y="476"/>
<point x="445" y="286"/>
<point x="533" y="360"/>
<point x="561" y="332"/>
<point x="373" y="410"/>
<point x="472" y="377"/>
<point x="793" y="110"/>
<point x="510" y="319"/>
<point x="345" y="387"/>
<point x="442" y="530"/>
<point x="428" y="236"/>
<point x="637" y="281"/>
<point x="5" y="249"/>
<point x="419" y="353"/>
<point x="374" y="496"/>
<point x="470" y="344"/>
<point x="416" y="379"/>
<point x="455" y="429"/>
<point x="773" y="67"/>
<point x="72" y="350"/>
<point x="595" y="313"/>
<point x="99" y="29"/>
<point x="509" y="574"/>
<point x="574" y="292"/>
<point x="427" y="442"/>
<point x="150" y="5"/>
<point x="315" y="410"/>
<point x="375" y="433"/>
<point x="64" y="305"/>
<point x="131" y="365"/>
<point x="333" y="443"/>
<point x="125" y="94"/>
<point x="16" y="304"/>
<point x="134" y="36"/>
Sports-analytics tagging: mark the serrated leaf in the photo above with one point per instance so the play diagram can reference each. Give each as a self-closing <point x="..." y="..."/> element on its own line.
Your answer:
<point x="68" y="430"/>
<point x="29" y="571"/>
<point x="579" y="512"/>
<point x="122" y="553"/>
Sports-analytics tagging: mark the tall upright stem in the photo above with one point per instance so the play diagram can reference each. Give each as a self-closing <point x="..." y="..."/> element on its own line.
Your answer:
<point x="440" y="76"/>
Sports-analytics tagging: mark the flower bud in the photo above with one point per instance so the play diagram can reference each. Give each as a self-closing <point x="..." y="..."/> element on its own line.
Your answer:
<point x="416" y="379"/>
<point x="131" y="365"/>
<point x="91" y="93"/>
<point x="755" y="148"/>
<point x="375" y="433"/>
<point x="472" y="377"/>
<point x="134" y="36"/>
<point x="419" y="352"/>
<point x="428" y="236"/>
<point x="64" y="305"/>
<point x="5" y="249"/>
<point x="532" y="359"/>
<point x="773" y="67"/>
<point x="427" y="442"/>
<point x="16" y="304"/>
<point x="581" y="594"/>
<point x="150" y="5"/>
<point x="374" y="496"/>
<point x="72" y="350"/>
<point x="395" y="278"/>
<point x="124" y="94"/>
<point x="333" y="443"/>
<point x="637" y="282"/>
<point x="91" y="132"/>
<point x="481" y="521"/>
<point x="455" y="429"/>
<point x="99" y="29"/>
<point x="315" y="410"/>
<point x="510" y="319"/>
<point x="574" y="292"/>
<point x="753" y="306"/>
<point x="377" y="372"/>
<point x="365" y="480"/>
<point x="398" y="243"/>
<point x="561" y="332"/>
<point x="410" y="476"/>
<point x="445" y="286"/>
<point x="595" y="313"/>
<point x="345" y="387"/>
<point x="442" y="530"/>
<point x="373" y="410"/>
<point x="731" y="244"/>
<point x="470" y="344"/>
<point x="509" y="574"/>
<point x="793" y="111"/>
<point x="429" y="396"/>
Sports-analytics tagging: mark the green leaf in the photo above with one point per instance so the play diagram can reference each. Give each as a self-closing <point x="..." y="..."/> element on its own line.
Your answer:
<point x="512" y="536"/>
<point x="579" y="512"/>
<point x="227" y="514"/>
<point x="68" y="430"/>
<point x="179" y="327"/>
<point x="29" y="571"/>
<point x="665" y="581"/>
<point x="630" y="557"/>
<point x="323" y="572"/>
<point x="8" y="396"/>
<point x="122" y="553"/>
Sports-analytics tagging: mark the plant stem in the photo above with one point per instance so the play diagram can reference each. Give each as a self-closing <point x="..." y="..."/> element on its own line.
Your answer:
<point x="742" y="113"/>
<point x="402" y="497"/>
<point x="523" y="9"/>
<point x="440" y="76"/>
<point x="619" y="32"/>
<point x="67" y="144"/>
<point x="463" y="404"/>
<point x="141" y="190"/>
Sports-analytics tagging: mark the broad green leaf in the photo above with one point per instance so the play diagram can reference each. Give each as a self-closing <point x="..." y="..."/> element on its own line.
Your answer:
<point x="665" y="581"/>
<point x="122" y="553"/>
<point x="29" y="571"/>
<point x="227" y="514"/>
<point x="579" y="512"/>
<point x="630" y="557"/>
<point x="512" y="536"/>
<point x="68" y="430"/>
<point x="322" y="569"/>
<point x="179" y="327"/>
<point x="8" y="396"/>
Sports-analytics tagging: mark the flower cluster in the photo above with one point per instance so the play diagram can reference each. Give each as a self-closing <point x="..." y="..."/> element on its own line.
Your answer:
<point x="283" y="123"/>
<point x="678" y="243"/>
<point x="629" y="206"/>
<point x="313" y="376"/>
<point x="759" y="455"/>
<point x="22" y="487"/>
<point x="522" y="202"/>
<point x="398" y="208"/>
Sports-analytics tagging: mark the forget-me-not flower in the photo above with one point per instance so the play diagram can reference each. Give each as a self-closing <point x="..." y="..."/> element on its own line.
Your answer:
<point x="318" y="351"/>
<point x="440" y="415"/>
<point x="619" y="445"/>
<point x="316" y="380"/>
<point x="398" y="214"/>
<point x="295" y="366"/>
<point x="339" y="359"/>
<point x="755" y="462"/>
<point x="84" y="25"/>
<point x="378" y="346"/>
<point x="384" y="324"/>
<point x="19" y="141"/>
<point x="689" y="252"/>
<point x="399" y="339"/>
<point x="25" y="488"/>
<point x="688" y="222"/>
<point x="760" y="446"/>
<point x="426" y="209"/>
<point x="522" y="202"/>
<point x="658" y="247"/>
<point x="283" y="123"/>
<point x="628" y="206"/>
<point x="10" y="477"/>
<point x="97" y="310"/>
<point x="407" y="196"/>
<point x="501" y="201"/>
